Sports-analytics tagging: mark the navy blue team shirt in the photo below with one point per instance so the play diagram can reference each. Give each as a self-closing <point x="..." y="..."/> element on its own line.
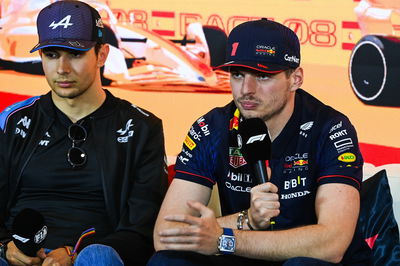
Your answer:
<point x="317" y="146"/>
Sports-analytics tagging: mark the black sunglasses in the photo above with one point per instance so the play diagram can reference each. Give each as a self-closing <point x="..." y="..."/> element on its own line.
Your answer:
<point x="76" y="156"/>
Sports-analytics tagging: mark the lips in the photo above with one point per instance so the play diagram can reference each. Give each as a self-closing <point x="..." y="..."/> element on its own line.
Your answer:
<point x="64" y="83"/>
<point x="248" y="105"/>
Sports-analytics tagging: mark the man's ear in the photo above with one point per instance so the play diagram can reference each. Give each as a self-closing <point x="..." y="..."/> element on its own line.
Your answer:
<point x="296" y="79"/>
<point x="102" y="56"/>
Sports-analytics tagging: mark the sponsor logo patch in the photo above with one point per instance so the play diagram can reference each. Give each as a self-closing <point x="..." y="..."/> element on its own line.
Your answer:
<point x="300" y="162"/>
<point x="234" y="122"/>
<point x="236" y="158"/>
<point x="291" y="58"/>
<point x="189" y="143"/>
<point x="295" y="195"/>
<point x="347" y="157"/>
<point x="335" y="127"/>
<point x="338" y="134"/>
<point x="265" y="50"/>
<point x="305" y="127"/>
<point x="203" y="126"/>
<point x="343" y="144"/>
<point x="40" y="235"/>
<point x="125" y="133"/>
<point x="255" y="138"/>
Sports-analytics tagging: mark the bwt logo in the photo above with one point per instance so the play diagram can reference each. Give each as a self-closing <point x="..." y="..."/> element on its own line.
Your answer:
<point x="252" y="139"/>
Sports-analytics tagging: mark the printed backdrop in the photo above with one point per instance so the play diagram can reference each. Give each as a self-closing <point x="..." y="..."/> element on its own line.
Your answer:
<point x="156" y="67"/>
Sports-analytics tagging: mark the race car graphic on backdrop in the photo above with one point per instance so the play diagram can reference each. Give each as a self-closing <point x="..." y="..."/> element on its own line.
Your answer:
<point x="136" y="54"/>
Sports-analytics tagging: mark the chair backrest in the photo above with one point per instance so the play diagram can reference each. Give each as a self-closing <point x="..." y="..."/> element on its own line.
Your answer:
<point x="377" y="222"/>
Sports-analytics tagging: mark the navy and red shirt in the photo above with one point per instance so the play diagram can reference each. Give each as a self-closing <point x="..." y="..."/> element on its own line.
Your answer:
<point x="318" y="145"/>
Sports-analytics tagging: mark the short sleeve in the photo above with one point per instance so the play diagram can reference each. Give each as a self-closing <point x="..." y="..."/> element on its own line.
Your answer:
<point x="197" y="160"/>
<point x="338" y="155"/>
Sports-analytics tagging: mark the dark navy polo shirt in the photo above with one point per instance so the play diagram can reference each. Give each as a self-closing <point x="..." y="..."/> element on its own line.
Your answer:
<point x="318" y="145"/>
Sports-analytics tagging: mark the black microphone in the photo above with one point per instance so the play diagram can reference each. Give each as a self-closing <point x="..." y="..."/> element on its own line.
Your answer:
<point x="29" y="231"/>
<point x="256" y="146"/>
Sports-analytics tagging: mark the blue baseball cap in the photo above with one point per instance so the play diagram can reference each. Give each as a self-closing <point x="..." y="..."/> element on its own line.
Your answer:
<point x="69" y="24"/>
<point x="263" y="45"/>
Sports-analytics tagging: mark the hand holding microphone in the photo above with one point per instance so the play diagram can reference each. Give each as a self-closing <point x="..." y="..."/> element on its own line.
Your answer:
<point x="256" y="149"/>
<point x="28" y="233"/>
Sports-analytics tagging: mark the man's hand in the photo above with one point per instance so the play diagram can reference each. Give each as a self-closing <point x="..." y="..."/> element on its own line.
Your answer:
<point x="200" y="235"/>
<point x="57" y="257"/>
<point x="264" y="205"/>
<point x="16" y="257"/>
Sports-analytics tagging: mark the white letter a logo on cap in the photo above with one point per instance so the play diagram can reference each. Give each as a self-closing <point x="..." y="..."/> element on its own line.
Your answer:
<point x="64" y="22"/>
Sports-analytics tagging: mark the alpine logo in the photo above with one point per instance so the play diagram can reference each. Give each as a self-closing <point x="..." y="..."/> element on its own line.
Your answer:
<point x="99" y="23"/>
<point x="252" y="139"/>
<point x="65" y="22"/>
<point x="125" y="133"/>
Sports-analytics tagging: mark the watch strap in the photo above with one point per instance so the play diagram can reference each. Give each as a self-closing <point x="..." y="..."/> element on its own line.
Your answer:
<point x="228" y="231"/>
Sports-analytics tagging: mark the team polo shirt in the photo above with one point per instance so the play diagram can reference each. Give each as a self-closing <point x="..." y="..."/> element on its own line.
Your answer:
<point x="317" y="146"/>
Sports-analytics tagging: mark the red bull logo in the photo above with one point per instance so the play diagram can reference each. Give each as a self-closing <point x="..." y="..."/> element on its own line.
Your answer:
<point x="300" y="162"/>
<point x="234" y="123"/>
<point x="270" y="51"/>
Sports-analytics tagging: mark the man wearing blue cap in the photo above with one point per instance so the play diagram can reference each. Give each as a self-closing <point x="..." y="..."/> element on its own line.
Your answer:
<point x="92" y="165"/>
<point x="306" y="213"/>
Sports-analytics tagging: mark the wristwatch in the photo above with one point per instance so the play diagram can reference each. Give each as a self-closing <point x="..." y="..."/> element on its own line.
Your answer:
<point x="227" y="242"/>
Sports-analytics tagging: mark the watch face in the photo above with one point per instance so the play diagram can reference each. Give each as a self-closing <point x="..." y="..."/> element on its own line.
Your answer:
<point x="227" y="244"/>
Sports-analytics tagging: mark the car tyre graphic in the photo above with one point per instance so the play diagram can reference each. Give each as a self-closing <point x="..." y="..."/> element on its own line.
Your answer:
<point x="374" y="70"/>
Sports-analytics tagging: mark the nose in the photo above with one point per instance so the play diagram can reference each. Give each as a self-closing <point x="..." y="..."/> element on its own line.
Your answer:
<point x="63" y="66"/>
<point x="249" y="85"/>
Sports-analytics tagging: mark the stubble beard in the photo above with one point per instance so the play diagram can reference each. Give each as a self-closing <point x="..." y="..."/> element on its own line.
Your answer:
<point x="263" y="116"/>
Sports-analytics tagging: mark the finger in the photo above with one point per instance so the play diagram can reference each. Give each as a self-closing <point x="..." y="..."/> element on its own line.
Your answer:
<point x="269" y="173"/>
<point x="265" y="197"/>
<point x="21" y="259"/>
<point x="180" y="246"/>
<point x="201" y="208"/>
<point x="179" y="231"/>
<point x="265" y="187"/>
<point x="179" y="239"/>
<point x="183" y="218"/>
<point x="41" y="254"/>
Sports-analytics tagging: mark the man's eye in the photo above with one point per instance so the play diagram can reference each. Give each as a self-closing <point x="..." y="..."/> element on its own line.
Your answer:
<point x="51" y="54"/>
<point x="263" y="77"/>
<point x="236" y="75"/>
<point x="76" y="54"/>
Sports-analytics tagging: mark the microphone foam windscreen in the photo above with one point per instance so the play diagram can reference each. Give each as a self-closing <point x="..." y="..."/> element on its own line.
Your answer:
<point x="29" y="231"/>
<point x="256" y="143"/>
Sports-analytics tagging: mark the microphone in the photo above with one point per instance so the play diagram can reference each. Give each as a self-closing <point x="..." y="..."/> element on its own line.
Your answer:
<point x="256" y="146"/>
<point x="29" y="231"/>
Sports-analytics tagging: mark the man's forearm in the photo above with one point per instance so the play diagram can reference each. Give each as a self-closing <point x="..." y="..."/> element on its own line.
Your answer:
<point x="308" y="241"/>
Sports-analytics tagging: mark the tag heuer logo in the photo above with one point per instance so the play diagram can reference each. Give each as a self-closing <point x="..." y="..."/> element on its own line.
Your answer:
<point x="236" y="158"/>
